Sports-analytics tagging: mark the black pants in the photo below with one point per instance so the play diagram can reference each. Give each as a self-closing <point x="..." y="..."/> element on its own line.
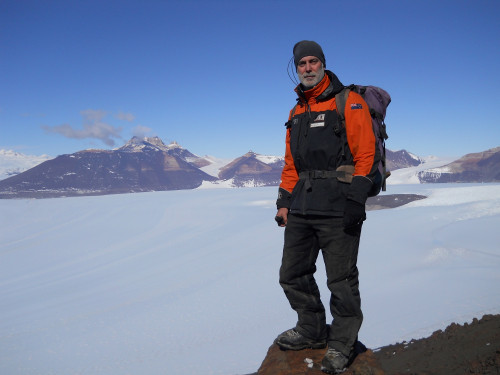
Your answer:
<point x="304" y="237"/>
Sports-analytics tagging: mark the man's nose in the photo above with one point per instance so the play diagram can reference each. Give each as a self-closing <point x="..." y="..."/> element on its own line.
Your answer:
<point x="308" y="67"/>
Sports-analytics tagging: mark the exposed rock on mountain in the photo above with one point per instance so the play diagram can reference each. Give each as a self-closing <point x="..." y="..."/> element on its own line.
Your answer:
<point x="476" y="167"/>
<point x="138" y="166"/>
<point x="137" y="144"/>
<point x="401" y="159"/>
<point x="253" y="170"/>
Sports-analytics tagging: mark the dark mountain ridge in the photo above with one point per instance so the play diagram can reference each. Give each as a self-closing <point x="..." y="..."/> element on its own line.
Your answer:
<point x="135" y="167"/>
<point x="401" y="159"/>
<point x="148" y="164"/>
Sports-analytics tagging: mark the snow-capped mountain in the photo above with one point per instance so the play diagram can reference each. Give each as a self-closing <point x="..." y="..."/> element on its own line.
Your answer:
<point x="136" y="144"/>
<point x="253" y="170"/>
<point x="146" y="144"/>
<point x="148" y="164"/>
<point x="401" y="159"/>
<point x="12" y="163"/>
<point x="139" y="166"/>
<point x="476" y="167"/>
<point x="142" y="164"/>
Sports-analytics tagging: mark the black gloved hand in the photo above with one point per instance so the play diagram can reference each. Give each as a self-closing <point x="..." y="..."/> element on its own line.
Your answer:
<point x="354" y="213"/>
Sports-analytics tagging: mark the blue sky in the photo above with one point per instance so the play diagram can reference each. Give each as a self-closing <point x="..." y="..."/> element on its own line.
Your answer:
<point x="212" y="75"/>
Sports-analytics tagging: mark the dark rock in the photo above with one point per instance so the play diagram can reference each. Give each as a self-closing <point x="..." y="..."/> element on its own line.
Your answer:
<point x="391" y="201"/>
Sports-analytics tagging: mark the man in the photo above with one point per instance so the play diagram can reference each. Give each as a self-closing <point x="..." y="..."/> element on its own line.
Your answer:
<point x="328" y="173"/>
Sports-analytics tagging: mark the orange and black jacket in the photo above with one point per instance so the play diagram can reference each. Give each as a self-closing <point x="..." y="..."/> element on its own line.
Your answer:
<point x="319" y="147"/>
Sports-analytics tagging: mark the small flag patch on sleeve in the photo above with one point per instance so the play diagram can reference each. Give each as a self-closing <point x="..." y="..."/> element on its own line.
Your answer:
<point x="356" y="106"/>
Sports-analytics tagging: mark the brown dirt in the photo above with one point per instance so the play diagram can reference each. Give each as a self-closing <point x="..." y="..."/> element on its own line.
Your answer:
<point x="472" y="348"/>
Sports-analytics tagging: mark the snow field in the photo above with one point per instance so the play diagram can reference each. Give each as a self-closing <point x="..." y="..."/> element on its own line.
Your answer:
<point x="186" y="282"/>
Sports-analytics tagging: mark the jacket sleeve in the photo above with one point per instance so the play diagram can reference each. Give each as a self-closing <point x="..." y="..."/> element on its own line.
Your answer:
<point x="289" y="177"/>
<point x="362" y="143"/>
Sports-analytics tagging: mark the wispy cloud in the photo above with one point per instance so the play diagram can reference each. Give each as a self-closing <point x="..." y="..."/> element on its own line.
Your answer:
<point x="125" y="116"/>
<point x="141" y="131"/>
<point x="93" y="127"/>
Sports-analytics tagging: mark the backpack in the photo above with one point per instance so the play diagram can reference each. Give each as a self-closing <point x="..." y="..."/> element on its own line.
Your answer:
<point x="377" y="100"/>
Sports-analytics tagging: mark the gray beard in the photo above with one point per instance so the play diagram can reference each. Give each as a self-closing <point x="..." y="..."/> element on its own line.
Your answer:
<point x="304" y="83"/>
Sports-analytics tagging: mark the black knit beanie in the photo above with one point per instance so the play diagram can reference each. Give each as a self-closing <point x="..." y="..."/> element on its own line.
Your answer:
<point x="308" y="48"/>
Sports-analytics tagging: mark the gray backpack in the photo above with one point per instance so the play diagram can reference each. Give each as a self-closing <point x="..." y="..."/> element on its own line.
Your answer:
<point x="377" y="100"/>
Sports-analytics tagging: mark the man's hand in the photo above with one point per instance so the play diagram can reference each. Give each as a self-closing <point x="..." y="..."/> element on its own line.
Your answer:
<point x="354" y="214"/>
<point x="282" y="213"/>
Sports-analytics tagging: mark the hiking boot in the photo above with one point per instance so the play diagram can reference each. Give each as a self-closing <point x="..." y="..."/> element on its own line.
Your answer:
<point x="334" y="362"/>
<point x="292" y="340"/>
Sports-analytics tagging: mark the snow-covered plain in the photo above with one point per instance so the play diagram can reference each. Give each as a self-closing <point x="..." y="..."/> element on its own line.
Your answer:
<point x="186" y="282"/>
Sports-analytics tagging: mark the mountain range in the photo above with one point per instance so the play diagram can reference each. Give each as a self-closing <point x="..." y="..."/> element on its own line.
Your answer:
<point x="148" y="164"/>
<point x="477" y="167"/>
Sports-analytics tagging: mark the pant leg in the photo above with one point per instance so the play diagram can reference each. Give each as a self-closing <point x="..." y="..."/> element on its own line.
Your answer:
<point x="340" y="253"/>
<point x="298" y="266"/>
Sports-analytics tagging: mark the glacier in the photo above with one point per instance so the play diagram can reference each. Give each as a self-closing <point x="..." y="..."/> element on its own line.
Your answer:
<point x="186" y="282"/>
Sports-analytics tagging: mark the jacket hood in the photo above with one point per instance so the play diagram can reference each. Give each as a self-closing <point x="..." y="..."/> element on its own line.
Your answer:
<point x="329" y="86"/>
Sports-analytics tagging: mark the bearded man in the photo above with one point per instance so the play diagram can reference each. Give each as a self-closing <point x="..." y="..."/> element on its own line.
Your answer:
<point x="329" y="171"/>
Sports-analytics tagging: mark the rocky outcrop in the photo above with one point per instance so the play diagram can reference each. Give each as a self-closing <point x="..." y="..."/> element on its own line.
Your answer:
<point x="471" y="348"/>
<point x="391" y="201"/>
<point x="308" y="362"/>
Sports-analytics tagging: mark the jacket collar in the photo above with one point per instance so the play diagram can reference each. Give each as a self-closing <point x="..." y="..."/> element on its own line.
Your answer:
<point x="329" y="86"/>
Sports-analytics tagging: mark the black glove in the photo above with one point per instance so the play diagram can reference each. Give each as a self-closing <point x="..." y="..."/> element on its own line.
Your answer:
<point x="284" y="198"/>
<point x="354" y="213"/>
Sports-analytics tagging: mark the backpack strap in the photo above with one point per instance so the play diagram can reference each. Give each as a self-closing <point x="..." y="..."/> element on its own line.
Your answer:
<point x="288" y="124"/>
<point x="340" y="101"/>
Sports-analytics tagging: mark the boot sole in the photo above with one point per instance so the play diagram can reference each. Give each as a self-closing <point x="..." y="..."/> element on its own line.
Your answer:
<point x="332" y="372"/>
<point x="301" y="347"/>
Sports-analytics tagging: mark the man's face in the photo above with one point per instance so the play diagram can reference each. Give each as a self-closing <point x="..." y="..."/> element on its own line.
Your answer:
<point x="310" y="71"/>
